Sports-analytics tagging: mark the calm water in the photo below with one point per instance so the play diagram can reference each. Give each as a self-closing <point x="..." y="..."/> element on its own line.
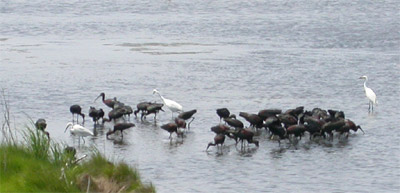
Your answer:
<point x="246" y="56"/>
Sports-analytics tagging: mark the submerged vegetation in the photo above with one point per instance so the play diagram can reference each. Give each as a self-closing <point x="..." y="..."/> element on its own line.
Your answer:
<point x="38" y="164"/>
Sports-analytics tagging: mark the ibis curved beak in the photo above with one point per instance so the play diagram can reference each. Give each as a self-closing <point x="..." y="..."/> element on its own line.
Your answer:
<point x="66" y="128"/>
<point x="361" y="130"/>
<point x="97" y="98"/>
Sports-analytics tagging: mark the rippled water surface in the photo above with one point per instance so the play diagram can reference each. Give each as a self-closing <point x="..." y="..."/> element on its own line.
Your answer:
<point x="243" y="55"/>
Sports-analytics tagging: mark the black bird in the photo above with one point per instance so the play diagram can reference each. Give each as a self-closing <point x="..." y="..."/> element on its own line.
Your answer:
<point x="114" y="115"/>
<point x="232" y="121"/>
<point x="245" y="134"/>
<point x="219" y="139"/>
<point x="76" y="109"/>
<point x="253" y="119"/>
<point x="120" y="127"/>
<point x="142" y="106"/>
<point x="296" y="130"/>
<point x="332" y="126"/>
<point x="41" y="125"/>
<point x="287" y="119"/>
<point x="171" y="128"/>
<point x="295" y="112"/>
<point x="264" y="114"/>
<point x="96" y="114"/>
<point x="108" y="102"/>
<point x="153" y="108"/>
<point x="187" y="115"/>
<point x="223" y="113"/>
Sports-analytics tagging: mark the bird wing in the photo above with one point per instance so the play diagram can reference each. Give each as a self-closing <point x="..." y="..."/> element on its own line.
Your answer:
<point x="370" y="94"/>
<point x="173" y="105"/>
<point x="82" y="131"/>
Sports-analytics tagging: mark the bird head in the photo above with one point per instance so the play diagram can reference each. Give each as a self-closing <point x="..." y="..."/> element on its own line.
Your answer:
<point x="364" y="77"/>
<point x="101" y="95"/>
<point x="155" y="91"/>
<point x="68" y="125"/>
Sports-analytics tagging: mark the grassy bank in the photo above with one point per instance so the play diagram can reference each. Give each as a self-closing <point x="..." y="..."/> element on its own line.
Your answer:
<point x="38" y="164"/>
<point x="42" y="166"/>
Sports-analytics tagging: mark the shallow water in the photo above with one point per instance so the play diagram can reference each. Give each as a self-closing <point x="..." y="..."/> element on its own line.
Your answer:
<point x="245" y="56"/>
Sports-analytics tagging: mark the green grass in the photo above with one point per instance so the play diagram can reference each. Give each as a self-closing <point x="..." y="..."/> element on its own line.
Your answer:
<point x="36" y="165"/>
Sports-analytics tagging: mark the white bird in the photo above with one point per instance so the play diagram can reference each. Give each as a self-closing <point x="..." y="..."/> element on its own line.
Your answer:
<point x="369" y="93"/>
<point x="172" y="105"/>
<point x="79" y="130"/>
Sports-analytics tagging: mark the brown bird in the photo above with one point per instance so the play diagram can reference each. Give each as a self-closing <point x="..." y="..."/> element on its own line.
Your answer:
<point x="120" y="127"/>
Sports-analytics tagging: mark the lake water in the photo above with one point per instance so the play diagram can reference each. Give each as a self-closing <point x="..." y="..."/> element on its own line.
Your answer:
<point x="243" y="55"/>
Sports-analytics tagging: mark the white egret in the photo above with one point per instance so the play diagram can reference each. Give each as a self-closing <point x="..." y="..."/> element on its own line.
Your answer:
<point x="79" y="130"/>
<point x="172" y="105"/>
<point x="369" y="93"/>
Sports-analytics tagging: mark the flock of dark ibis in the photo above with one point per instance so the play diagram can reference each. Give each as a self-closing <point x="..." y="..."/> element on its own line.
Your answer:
<point x="291" y="124"/>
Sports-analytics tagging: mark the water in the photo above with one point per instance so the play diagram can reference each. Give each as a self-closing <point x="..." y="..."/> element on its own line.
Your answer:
<point x="245" y="56"/>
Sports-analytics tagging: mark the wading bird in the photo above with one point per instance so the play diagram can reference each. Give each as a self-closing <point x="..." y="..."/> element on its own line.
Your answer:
<point x="76" y="109"/>
<point x="120" y="127"/>
<point x="369" y="93"/>
<point x="79" y="130"/>
<point x="187" y="115"/>
<point x="108" y="102"/>
<point x="219" y="139"/>
<point x="172" y="105"/>
<point x="41" y="125"/>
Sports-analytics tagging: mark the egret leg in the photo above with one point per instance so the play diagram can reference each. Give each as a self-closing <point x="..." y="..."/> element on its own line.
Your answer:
<point x="83" y="140"/>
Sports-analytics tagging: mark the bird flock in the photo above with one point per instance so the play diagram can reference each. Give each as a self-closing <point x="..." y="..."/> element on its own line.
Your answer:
<point x="290" y="125"/>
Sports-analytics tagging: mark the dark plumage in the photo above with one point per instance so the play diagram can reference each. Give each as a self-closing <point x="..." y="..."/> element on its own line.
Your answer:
<point x="329" y="127"/>
<point x="264" y="114"/>
<point x="219" y="139"/>
<point x="253" y="119"/>
<point x="153" y="108"/>
<point x="41" y="125"/>
<point x="296" y="130"/>
<point x="96" y="114"/>
<point x="114" y="115"/>
<point x="108" y="102"/>
<point x="76" y="109"/>
<point x="142" y="106"/>
<point x="246" y="134"/>
<point x="120" y="127"/>
<point x="187" y="115"/>
<point x="233" y="122"/>
<point x="223" y="113"/>
<point x="171" y="128"/>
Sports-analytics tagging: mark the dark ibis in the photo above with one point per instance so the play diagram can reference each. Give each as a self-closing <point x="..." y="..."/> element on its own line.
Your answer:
<point x="232" y="121"/>
<point x="153" y="108"/>
<point x="223" y="113"/>
<point x="171" y="128"/>
<point x="142" y="106"/>
<point x="264" y="114"/>
<point x="187" y="115"/>
<point x="245" y="134"/>
<point x="96" y="114"/>
<point x="120" y="127"/>
<point x="287" y="120"/>
<point x="76" y="109"/>
<point x="296" y="130"/>
<point x="254" y="120"/>
<point x="108" y="102"/>
<point x="219" y="139"/>
<point x="329" y="127"/>
<point x="114" y="115"/>
<point x="41" y="125"/>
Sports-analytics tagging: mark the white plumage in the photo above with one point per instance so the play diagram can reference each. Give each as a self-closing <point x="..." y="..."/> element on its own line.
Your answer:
<point x="172" y="105"/>
<point x="369" y="93"/>
<point x="79" y="130"/>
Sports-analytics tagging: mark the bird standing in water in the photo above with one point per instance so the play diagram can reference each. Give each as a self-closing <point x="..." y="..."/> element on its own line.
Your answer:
<point x="370" y="94"/>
